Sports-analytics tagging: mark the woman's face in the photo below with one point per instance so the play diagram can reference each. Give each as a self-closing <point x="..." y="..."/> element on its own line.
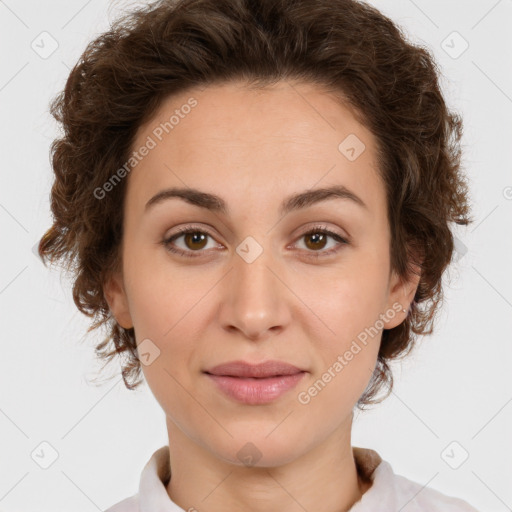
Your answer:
<point x="250" y="285"/>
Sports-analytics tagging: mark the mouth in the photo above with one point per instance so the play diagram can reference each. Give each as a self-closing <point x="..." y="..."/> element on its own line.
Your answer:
<point x="263" y="370"/>
<point x="255" y="384"/>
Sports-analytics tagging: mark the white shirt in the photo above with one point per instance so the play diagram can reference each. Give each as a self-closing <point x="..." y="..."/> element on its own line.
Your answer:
<point x="389" y="492"/>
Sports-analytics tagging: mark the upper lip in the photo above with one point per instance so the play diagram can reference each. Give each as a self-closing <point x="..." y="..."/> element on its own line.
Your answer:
<point x="261" y="370"/>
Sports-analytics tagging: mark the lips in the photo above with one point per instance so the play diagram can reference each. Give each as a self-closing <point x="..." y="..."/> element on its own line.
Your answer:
<point x="255" y="384"/>
<point x="263" y="370"/>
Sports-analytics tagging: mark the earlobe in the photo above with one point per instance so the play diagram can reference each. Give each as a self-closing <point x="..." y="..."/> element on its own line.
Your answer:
<point x="117" y="300"/>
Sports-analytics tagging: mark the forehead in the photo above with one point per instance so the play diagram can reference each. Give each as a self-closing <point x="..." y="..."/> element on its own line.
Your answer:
<point x="235" y="112"/>
<point x="229" y="137"/>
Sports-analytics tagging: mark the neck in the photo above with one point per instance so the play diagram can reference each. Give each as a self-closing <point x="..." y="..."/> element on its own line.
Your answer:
<point x="323" y="478"/>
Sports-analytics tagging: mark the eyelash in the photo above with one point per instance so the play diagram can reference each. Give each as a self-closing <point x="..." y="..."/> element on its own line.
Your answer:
<point x="314" y="231"/>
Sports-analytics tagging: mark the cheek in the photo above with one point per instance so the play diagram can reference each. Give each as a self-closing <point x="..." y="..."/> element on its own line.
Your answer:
<point x="168" y="317"/>
<point x="347" y="299"/>
<point x="347" y="360"/>
<point x="162" y="294"/>
<point x="349" y="303"/>
<point x="162" y="315"/>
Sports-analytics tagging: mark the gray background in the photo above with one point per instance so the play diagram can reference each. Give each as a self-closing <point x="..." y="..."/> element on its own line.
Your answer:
<point x="452" y="398"/>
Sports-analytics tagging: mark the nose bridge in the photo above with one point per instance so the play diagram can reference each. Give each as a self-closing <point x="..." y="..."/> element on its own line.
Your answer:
<point x="254" y="301"/>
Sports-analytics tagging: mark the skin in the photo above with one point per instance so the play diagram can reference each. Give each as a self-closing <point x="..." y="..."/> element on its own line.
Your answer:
<point x="254" y="148"/>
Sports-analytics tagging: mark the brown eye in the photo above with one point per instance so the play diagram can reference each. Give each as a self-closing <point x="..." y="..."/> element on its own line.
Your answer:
<point x="195" y="240"/>
<point x="316" y="240"/>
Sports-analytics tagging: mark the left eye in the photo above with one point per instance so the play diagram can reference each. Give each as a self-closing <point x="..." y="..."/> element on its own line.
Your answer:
<point x="195" y="241"/>
<point x="318" y="240"/>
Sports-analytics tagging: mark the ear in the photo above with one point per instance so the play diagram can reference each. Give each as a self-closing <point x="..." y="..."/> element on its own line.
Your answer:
<point x="115" y="295"/>
<point x="401" y="295"/>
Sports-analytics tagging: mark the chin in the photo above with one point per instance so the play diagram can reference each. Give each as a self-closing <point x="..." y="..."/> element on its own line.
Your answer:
<point x="257" y="448"/>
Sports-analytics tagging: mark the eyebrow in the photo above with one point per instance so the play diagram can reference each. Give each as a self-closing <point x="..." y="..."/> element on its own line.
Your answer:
<point x="295" y="202"/>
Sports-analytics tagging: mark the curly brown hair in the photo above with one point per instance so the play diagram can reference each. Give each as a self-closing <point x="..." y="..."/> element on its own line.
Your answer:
<point x="168" y="46"/>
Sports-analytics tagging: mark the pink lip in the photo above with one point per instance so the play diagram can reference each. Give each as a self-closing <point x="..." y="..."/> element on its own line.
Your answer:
<point x="243" y="369"/>
<point x="255" y="384"/>
<point x="255" y="391"/>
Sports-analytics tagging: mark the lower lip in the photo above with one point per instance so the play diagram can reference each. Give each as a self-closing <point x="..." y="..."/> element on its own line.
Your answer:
<point x="256" y="391"/>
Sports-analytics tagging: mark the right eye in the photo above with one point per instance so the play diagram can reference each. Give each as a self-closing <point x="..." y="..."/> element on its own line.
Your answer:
<point x="194" y="238"/>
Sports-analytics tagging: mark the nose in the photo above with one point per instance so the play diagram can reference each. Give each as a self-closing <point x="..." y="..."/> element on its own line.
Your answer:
<point x="255" y="299"/>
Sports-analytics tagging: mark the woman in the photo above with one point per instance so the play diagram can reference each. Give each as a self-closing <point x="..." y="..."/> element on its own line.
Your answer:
<point x="256" y="197"/>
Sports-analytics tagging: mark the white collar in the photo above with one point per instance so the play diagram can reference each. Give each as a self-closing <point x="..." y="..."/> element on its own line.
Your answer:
<point x="387" y="492"/>
<point x="156" y="474"/>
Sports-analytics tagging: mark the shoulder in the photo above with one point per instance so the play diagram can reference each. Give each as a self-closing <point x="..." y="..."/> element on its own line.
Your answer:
<point x="415" y="497"/>
<point x="390" y="491"/>
<point x="130" y="504"/>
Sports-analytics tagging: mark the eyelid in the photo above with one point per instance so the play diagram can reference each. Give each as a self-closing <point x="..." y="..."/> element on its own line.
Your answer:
<point x="325" y="229"/>
<point x="319" y="228"/>
<point x="183" y="230"/>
